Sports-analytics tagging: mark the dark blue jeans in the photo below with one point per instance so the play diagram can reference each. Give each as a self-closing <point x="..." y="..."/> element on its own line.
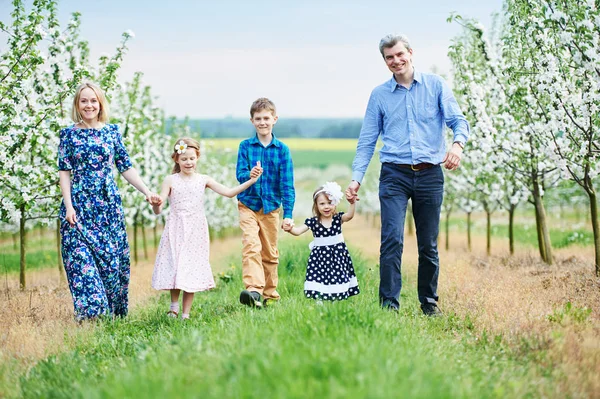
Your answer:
<point x="426" y="190"/>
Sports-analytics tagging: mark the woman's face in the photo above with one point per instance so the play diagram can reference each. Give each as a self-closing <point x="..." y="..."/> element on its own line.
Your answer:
<point x="89" y="106"/>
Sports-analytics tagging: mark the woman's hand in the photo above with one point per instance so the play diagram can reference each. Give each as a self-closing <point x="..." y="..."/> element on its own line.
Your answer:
<point x="154" y="199"/>
<point x="71" y="216"/>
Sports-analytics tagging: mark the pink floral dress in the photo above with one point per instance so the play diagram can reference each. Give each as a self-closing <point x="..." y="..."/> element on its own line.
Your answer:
<point x="182" y="261"/>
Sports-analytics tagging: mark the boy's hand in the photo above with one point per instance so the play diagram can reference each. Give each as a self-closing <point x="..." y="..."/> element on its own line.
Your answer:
<point x="288" y="224"/>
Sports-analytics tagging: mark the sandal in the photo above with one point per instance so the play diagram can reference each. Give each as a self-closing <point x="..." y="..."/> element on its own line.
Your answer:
<point x="172" y="313"/>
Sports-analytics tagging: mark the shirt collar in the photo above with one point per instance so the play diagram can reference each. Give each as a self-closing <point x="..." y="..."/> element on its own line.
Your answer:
<point x="274" y="141"/>
<point x="417" y="77"/>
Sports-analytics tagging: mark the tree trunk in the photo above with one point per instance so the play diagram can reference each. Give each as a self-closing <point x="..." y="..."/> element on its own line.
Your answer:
<point x="469" y="247"/>
<point x="595" y="227"/>
<point x="144" y="241"/>
<point x="135" y="238"/>
<point x="59" y="260"/>
<point x="155" y="235"/>
<point x="538" y="229"/>
<point x="488" y="233"/>
<point x="23" y="241"/>
<point x="447" y="231"/>
<point x="511" y="228"/>
<point x="543" y="231"/>
<point x="410" y="220"/>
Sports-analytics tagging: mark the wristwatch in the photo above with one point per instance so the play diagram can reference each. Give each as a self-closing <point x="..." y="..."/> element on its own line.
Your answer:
<point x="460" y="144"/>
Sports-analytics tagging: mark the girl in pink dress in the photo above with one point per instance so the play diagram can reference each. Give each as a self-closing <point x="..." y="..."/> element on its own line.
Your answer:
<point x="182" y="261"/>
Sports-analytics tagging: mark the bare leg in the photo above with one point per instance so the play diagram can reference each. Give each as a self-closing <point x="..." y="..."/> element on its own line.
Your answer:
<point x="175" y="296"/>
<point x="188" y="298"/>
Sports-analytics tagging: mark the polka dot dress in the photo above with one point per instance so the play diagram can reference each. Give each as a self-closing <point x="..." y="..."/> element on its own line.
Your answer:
<point x="182" y="261"/>
<point x="329" y="273"/>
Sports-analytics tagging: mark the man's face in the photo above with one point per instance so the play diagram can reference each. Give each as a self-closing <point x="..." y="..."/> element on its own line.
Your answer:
<point x="398" y="59"/>
<point x="263" y="121"/>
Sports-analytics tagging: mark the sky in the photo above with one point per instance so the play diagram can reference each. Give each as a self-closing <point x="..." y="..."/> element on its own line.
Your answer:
<point x="211" y="59"/>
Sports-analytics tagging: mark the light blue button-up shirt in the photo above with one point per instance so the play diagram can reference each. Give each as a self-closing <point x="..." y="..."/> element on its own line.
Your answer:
<point x="411" y="123"/>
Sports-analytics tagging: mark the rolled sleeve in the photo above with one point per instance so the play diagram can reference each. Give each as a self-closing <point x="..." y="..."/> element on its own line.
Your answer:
<point x="369" y="132"/>
<point x="453" y="116"/>
<point x="288" y="193"/>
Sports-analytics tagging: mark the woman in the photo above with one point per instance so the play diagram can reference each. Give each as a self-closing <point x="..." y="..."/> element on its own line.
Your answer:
<point x="94" y="239"/>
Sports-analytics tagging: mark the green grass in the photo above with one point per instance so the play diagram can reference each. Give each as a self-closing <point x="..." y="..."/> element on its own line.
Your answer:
<point x="321" y="159"/>
<point x="526" y="234"/>
<point x="298" y="348"/>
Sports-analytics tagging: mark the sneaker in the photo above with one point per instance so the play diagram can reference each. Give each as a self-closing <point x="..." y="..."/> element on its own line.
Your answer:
<point x="389" y="305"/>
<point x="251" y="298"/>
<point x="431" y="309"/>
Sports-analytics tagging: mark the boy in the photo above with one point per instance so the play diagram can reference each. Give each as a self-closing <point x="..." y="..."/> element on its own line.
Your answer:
<point x="259" y="205"/>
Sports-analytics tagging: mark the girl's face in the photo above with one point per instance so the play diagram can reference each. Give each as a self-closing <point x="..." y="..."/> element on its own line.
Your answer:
<point x="187" y="161"/>
<point x="89" y="106"/>
<point x="324" y="206"/>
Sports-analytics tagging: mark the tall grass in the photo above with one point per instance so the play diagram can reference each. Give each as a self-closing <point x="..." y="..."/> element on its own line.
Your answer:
<point x="298" y="348"/>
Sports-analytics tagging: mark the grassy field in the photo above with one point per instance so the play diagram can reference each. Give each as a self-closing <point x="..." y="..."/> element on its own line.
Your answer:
<point x="296" y="349"/>
<point x="315" y="153"/>
<point x="295" y="144"/>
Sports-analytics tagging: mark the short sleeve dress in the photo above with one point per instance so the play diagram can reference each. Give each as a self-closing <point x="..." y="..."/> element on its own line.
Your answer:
<point x="182" y="260"/>
<point x="329" y="274"/>
<point x="95" y="251"/>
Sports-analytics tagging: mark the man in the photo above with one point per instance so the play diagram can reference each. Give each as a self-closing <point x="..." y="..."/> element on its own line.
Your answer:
<point x="409" y="112"/>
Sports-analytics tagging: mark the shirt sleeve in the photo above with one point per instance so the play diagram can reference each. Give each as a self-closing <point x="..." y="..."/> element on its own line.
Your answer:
<point x="309" y="222"/>
<point x="453" y="116"/>
<point x="286" y="184"/>
<point x="65" y="161"/>
<point x="242" y="169"/>
<point x="371" y="128"/>
<point x="122" y="159"/>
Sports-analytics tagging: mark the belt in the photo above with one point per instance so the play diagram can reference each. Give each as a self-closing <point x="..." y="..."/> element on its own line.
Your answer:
<point x="417" y="167"/>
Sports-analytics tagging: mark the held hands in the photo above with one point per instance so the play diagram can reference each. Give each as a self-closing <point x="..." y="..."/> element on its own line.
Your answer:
<point x="256" y="171"/>
<point x="288" y="224"/>
<point x="352" y="192"/>
<point x="154" y="199"/>
<point x="452" y="159"/>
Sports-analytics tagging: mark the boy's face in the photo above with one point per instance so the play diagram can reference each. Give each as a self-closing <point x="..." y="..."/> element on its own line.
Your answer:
<point x="263" y="122"/>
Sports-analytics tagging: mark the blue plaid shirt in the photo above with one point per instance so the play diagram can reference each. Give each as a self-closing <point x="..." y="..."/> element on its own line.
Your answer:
<point x="276" y="185"/>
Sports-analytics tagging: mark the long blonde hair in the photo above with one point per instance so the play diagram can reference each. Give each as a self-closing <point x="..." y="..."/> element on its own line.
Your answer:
<point x="102" y="114"/>
<point x="191" y="143"/>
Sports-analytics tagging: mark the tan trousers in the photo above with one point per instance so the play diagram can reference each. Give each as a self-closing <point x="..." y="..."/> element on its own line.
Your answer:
<point x="260" y="255"/>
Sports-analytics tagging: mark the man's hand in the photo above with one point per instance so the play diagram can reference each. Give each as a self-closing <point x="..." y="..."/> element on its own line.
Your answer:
<point x="352" y="192"/>
<point x="452" y="159"/>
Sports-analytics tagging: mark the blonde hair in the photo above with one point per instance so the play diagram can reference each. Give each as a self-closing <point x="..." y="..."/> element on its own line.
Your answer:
<point x="315" y="207"/>
<point x="191" y="143"/>
<point x="261" y="104"/>
<point x="102" y="114"/>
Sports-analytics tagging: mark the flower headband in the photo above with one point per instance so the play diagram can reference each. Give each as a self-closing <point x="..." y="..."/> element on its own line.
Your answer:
<point x="181" y="147"/>
<point x="333" y="192"/>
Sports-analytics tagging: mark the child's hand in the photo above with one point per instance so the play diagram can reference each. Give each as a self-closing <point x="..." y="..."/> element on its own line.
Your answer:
<point x="155" y="199"/>
<point x="255" y="172"/>
<point x="288" y="224"/>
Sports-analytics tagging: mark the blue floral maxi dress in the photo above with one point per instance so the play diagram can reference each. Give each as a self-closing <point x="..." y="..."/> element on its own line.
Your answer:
<point x="95" y="252"/>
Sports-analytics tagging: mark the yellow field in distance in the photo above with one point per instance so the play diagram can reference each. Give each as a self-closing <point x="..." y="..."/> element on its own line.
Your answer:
<point x="294" y="144"/>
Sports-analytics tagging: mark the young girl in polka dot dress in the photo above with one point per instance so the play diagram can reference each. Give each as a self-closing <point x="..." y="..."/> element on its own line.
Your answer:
<point x="182" y="261"/>
<point x="329" y="273"/>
